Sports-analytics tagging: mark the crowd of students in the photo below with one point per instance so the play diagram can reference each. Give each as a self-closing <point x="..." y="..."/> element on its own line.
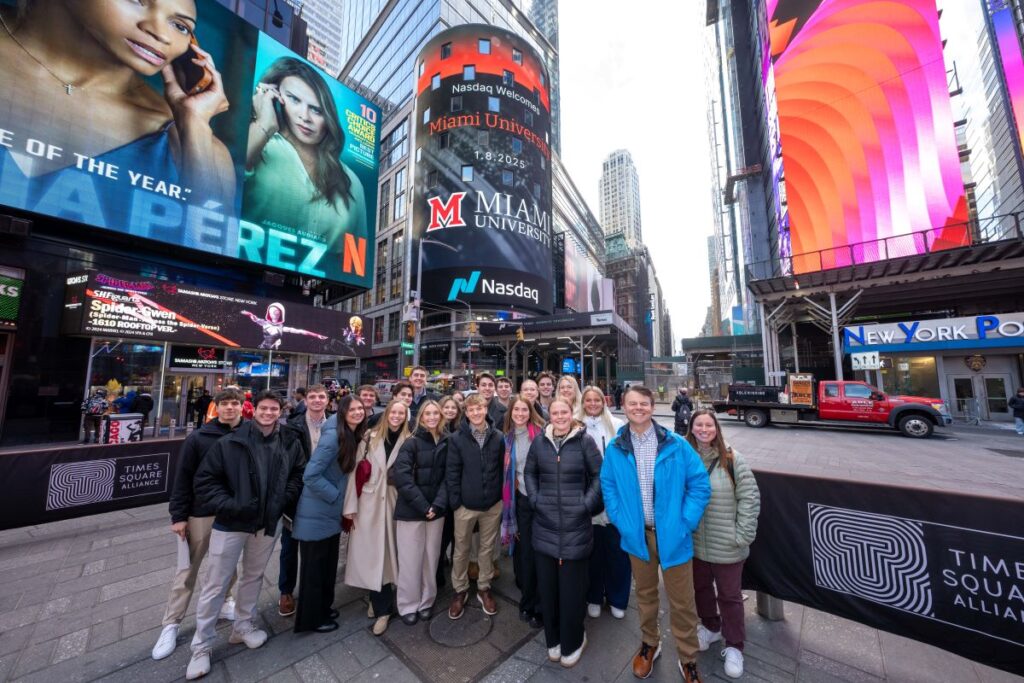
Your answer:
<point x="586" y="505"/>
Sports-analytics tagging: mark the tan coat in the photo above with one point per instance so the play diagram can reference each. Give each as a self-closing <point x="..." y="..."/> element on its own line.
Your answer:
<point x="372" y="556"/>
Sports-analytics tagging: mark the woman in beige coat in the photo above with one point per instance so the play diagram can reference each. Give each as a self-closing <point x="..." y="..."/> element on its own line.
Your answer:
<point x="370" y="499"/>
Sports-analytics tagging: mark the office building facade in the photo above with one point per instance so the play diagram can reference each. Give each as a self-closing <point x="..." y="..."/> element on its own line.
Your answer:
<point x="620" y="198"/>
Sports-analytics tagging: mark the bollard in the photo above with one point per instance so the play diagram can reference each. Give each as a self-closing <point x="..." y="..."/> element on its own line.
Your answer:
<point x="189" y="427"/>
<point x="770" y="607"/>
<point x="172" y="428"/>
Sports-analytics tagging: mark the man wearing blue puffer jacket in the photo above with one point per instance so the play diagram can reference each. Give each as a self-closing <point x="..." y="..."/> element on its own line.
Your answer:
<point x="655" y="491"/>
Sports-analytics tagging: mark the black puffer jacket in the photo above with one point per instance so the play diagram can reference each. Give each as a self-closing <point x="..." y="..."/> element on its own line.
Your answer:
<point x="183" y="501"/>
<point x="564" y="488"/>
<point x="228" y="481"/>
<point x="419" y="476"/>
<point x="474" y="474"/>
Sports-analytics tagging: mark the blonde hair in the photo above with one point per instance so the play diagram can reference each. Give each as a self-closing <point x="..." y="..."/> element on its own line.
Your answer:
<point x="573" y="422"/>
<point x="437" y="431"/>
<point x="606" y="415"/>
<point x="577" y="398"/>
<point x="377" y="436"/>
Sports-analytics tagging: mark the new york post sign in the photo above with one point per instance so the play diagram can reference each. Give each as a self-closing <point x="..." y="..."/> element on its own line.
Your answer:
<point x="975" y="332"/>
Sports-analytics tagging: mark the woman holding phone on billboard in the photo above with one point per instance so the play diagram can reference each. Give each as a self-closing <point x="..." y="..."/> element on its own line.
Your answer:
<point x="73" y="77"/>
<point x="294" y="176"/>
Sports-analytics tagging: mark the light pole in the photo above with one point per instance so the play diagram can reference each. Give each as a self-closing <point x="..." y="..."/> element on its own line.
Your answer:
<point x="469" y="345"/>
<point x="418" y="300"/>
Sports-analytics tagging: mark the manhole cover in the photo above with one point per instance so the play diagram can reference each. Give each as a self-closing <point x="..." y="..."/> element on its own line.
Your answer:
<point x="473" y="627"/>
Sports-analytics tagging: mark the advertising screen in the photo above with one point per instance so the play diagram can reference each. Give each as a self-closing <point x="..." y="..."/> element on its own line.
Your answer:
<point x="184" y="124"/>
<point x="585" y="288"/>
<point x="483" y="171"/>
<point x="112" y="304"/>
<point x="1010" y="55"/>
<point x="866" y="130"/>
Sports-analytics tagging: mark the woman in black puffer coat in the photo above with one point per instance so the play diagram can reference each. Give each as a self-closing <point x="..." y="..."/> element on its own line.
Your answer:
<point x="563" y="485"/>
<point x="419" y="478"/>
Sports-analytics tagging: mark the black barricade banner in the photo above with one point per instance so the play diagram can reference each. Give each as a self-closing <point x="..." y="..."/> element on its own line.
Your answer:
<point x="940" y="567"/>
<point x="64" y="483"/>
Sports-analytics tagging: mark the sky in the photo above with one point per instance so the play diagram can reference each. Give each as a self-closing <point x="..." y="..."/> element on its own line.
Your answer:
<point x="632" y="77"/>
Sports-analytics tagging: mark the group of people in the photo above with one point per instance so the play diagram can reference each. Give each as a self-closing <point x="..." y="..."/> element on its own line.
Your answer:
<point x="98" y="404"/>
<point x="548" y="475"/>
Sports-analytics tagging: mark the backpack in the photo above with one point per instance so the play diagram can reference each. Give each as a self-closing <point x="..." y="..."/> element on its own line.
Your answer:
<point x="729" y="469"/>
<point x="143" y="404"/>
<point x="94" y="406"/>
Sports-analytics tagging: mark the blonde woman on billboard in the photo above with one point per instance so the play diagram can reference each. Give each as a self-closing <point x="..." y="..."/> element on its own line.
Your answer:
<point x="74" y="94"/>
<point x="294" y="176"/>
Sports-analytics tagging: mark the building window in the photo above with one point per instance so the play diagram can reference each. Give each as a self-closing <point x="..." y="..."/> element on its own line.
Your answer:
<point x="536" y="95"/>
<point x="467" y="174"/>
<point x="469" y="72"/>
<point x="397" y="250"/>
<point x="507" y="178"/>
<point x="419" y="153"/>
<point x="493" y="104"/>
<point x="446" y="51"/>
<point x="396" y="282"/>
<point x="483" y="46"/>
<point x="393" y="320"/>
<point x="528" y="118"/>
<point x="400" y="193"/>
<point x="536" y="190"/>
<point x="385" y="203"/>
<point x="517" y="56"/>
<point x="542" y="81"/>
<point x="420" y="68"/>
<point x="432" y="179"/>
<point x="426" y="115"/>
<point x="543" y="162"/>
<point x="457" y="103"/>
<point x="517" y="146"/>
<point x="378" y="328"/>
<point x="443" y="141"/>
<point x="435" y="81"/>
<point x="394" y="146"/>
<point x="508" y="78"/>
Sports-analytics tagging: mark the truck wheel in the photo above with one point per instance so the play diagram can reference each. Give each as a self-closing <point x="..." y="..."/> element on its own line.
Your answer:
<point x="916" y="426"/>
<point x="755" y="418"/>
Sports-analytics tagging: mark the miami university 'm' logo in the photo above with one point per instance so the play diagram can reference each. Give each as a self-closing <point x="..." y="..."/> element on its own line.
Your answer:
<point x="446" y="214"/>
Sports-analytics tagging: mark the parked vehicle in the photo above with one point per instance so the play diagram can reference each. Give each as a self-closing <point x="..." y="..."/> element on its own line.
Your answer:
<point x="838" y="403"/>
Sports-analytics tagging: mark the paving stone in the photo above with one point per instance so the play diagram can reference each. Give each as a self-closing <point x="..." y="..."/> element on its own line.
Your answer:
<point x="842" y="670"/>
<point x="14" y="639"/>
<point x="366" y="647"/>
<point x="35" y="657"/>
<point x="104" y="633"/>
<point x="68" y="573"/>
<point x="94" y="567"/>
<point x="71" y="645"/>
<point x="26" y="559"/>
<point x="161" y="577"/>
<point x="313" y="669"/>
<point x="104" y="578"/>
<point x="511" y="670"/>
<point x="53" y="628"/>
<point x="283" y="676"/>
<point x="342" y="661"/>
<point x="389" y="670"/>
<point x="840" y="640"/>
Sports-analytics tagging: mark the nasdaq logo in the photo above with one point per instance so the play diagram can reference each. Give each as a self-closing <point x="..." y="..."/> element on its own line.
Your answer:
<point x="463" y="285"/>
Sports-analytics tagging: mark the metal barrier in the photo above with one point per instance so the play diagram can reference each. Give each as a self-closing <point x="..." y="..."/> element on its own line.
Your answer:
<point x="968" y="410"/>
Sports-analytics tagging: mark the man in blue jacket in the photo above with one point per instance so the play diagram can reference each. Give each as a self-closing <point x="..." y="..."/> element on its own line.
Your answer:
<point x="655" y="491"/>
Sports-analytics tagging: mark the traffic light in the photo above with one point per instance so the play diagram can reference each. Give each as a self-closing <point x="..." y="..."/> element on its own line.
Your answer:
<point x="472" y="327"/>
<point x="520" y="335"/>
<point x="410" y="331"/>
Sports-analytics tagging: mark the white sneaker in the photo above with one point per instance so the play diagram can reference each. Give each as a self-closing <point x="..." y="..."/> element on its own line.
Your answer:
<point x="706" y="636"/>
<point x="227" y="610"/>
<point x="593" y="611"/>
<point x="618" y="613"/>
<point x="248" y="634"/>
<point x="167" y="641"/>
<point x="572" y="659"/>
<point x="733" y="662"/>
<point x="554" y="653"/>
<point x="199" y="665"/>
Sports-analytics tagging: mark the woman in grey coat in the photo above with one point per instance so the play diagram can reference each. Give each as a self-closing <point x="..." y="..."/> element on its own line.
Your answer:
<point x="317" y="524"/>
<point x="722" y="541"/>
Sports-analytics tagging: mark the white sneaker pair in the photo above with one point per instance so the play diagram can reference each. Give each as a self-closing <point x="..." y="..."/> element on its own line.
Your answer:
<point x="594" y="611"/>
<point x="571" y="660"/>
<point x="706" y="636"/>
<point x="199" y="664"/>
<point x="227" y="610"/>
<point x="167" y="641"/>
<point x="733" y="662"/>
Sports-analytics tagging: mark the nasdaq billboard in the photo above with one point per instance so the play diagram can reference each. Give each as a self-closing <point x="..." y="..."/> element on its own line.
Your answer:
<point x="482" y="187"/>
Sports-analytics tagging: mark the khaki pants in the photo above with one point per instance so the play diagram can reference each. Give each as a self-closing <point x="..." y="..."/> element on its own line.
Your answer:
<point x="682" y="606"/>
<point x="184" y="582"/>
<point x="226" y="547"/>
<point x="490" y="525"/>
<point x="419" y="549"/>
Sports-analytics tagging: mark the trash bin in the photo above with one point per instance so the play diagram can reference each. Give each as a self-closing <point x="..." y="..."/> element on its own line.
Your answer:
<point x="122" y="428"/>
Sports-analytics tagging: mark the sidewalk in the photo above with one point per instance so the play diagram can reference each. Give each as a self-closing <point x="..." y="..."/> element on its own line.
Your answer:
<point x="81" y="600"/>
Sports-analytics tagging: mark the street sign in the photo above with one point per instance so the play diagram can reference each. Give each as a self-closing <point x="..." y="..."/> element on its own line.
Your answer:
<point x="408" y="346"/>
<point x="865" y="360"/>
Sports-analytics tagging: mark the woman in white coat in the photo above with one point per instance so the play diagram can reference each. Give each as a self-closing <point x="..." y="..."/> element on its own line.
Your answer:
<point x="370" y="508"/>
<point x="610" y="573"/>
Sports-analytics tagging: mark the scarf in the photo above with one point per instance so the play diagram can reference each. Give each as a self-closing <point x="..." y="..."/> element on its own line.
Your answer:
<point x="509" y="526"/>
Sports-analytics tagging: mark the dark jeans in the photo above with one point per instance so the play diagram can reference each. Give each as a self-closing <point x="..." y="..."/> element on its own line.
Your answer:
<point x="719" y="597"/>
<point x="289" y="572"/>
<point x="383" y="601"/>
<point x="610" y="573"/>
<point x="319" y="574"/>
<point x="447" y="538"/>
<point x="523" y="558"/>
<point x="563" y="599"/>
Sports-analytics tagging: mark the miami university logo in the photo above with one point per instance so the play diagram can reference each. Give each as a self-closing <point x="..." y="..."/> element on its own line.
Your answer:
<point x="446" y="214"/>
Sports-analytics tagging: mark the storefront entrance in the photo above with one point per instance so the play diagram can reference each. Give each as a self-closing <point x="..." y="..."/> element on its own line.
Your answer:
<point x="982" y="396"/>
<point x="181" y="392"/>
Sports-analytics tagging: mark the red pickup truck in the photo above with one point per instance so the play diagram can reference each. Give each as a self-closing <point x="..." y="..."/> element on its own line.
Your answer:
<point x="839" y="403"/>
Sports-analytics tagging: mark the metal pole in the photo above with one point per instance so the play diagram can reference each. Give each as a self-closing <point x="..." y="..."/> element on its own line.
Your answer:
<point x="270" y="366"/>
<point x="796" y="352"/>
<point x="765" y="351"/>
<point x="837" y="351"/>
<point x="583" y="367"/>
<point x="770" y="607"/>
<point x="417" y="300"/>
<point x="163" y="378"/>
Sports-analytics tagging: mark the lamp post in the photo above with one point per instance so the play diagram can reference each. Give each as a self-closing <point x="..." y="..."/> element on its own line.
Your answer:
<point x="469" y="346"/>
<point x="418" y="300"/>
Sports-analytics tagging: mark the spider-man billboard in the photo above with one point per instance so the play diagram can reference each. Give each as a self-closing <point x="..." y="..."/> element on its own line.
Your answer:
<point x="107" y="304"/>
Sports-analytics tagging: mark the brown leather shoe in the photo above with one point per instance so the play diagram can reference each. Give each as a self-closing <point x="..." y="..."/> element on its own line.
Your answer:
<point x="473" y="571"/>
<point x="690" y="673"/>
<point x="643" y="661"/>
<point x="458" y="606"/>
<point x="488" y="602"/>
<point x="286" y="605"/>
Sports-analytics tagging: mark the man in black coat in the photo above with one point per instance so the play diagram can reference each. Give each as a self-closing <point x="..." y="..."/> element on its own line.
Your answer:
<point x="191" y="520"/>
<point x="249" y="478"/>
<point x="486" y="385"/>
<point x="476" y="455"/>
<point x="682" y="408"/>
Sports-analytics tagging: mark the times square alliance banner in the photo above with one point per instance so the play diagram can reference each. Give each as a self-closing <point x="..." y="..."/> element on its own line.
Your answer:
<point x="187" y="126"/>
<point x="482" y="186"/>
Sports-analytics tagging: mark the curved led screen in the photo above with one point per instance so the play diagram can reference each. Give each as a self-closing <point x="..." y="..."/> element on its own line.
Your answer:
<point x="866" y="128"/>
<point x="483" y="171"/>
